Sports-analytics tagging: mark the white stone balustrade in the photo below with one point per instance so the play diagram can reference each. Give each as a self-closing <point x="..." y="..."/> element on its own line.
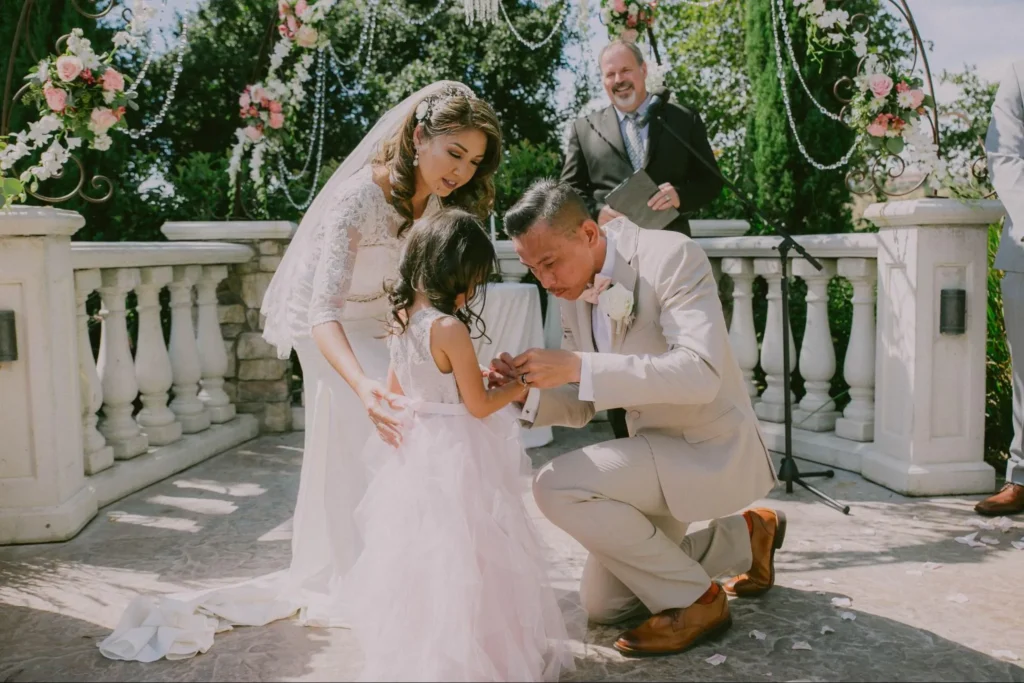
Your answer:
<point x="817" y="411"/>
<point x="152" y="362"/>
<point x="116" y="367"/>
<point x="97" y="455"/>
<point x="742" y="334"/>
<point x="771" y="407"/>
<point x="213" y="359"/>
<point x="184" y="353"/>
<point x="858" y="420"/>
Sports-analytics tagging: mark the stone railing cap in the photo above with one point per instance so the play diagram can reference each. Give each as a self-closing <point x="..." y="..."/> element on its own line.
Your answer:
<point x="935" y="211"/>
<point x="850" y="244"/>
<point x="146" y="254"/>
<point x="228" y="230"/>
<point x="718" y="227"/>
<point x="23" y="221"/>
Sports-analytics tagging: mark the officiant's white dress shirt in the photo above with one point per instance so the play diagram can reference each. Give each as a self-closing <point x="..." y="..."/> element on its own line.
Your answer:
<point x="601" y="326"/>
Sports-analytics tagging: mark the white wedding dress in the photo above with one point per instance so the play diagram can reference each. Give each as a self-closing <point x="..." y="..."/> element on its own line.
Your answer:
<point x="334" y="269"/>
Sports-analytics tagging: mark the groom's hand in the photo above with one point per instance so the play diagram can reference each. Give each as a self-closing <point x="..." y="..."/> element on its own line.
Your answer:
<point x="548" y="368"/>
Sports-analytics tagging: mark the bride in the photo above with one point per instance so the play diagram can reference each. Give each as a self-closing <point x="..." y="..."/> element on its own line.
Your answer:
<point x="439" y="147"/>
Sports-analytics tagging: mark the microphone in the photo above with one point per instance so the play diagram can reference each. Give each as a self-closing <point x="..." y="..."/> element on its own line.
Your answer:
<point x="658" y="101"/>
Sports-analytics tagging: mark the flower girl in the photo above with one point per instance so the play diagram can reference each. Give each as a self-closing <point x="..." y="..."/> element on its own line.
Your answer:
<point x="451" y="584"/>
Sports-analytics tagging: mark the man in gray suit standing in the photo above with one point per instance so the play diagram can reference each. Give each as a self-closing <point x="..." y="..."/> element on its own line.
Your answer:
<point x="1004" y="145"/>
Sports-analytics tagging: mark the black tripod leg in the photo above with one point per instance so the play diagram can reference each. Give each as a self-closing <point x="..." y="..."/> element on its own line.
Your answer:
<point x="845" y="509"/>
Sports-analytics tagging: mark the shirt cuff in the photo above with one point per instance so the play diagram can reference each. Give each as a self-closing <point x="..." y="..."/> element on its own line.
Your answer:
<point x="529" y="413"/>
<point x="586" y="379"/>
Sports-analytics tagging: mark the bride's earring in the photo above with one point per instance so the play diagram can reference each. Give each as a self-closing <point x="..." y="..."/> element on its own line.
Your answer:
<point x="416" y="159"/>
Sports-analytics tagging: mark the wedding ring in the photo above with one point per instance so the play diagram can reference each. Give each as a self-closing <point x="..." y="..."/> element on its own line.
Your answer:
<point x="522" y="378"/>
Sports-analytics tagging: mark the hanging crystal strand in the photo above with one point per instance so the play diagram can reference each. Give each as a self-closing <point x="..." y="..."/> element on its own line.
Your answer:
<point x="554" y="29"/>
<point x="318" y="102"/>
<point x="318" y="134"/>
<point x="484" y="11"/>
<point x="393" y="6"/>
<point x="796" y="66"/>
<point x="152" y="125"/>
<point x="789" y="108"/>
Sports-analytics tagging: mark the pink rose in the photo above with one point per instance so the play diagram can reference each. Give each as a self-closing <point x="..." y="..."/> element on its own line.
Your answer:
<point x="918" y="96"/>
<point x="56" y="99"/>
<point x="283" y="8"/>
<point x="877" y="129"/>
<point x="880" y="85"/>
<point x="902" y="86"/>
<point x="253" y="133"/>
<point x="631" y="22"/>
<point x="68" y="68"/>
<point x="244" y="101"/>
<point x="293" y="25"/>
<point x="256" y="92"/>
<point x="113" y="81"/>
<point x="101" y="120"/>
<point x="276" y="120"/>
<point x="275" y="106"/>
<point x="301" y="7"/>
<point x="619" y="5"/>
<point x="306" y="36"/>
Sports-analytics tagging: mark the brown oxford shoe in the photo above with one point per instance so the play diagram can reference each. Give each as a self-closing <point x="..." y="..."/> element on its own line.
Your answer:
<point x="676" y="630"/>
<point x="767" y="532"/>
<point x="1009" y="501"/>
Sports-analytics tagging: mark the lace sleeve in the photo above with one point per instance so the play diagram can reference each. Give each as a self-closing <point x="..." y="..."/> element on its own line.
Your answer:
<point x="332" y="277"/>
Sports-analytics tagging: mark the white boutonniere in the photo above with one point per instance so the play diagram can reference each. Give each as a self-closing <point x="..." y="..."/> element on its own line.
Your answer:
<point x="617" y="303"/>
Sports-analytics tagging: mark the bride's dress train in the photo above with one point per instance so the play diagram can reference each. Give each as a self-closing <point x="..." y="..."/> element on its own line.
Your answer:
<point x="325" y="544"/>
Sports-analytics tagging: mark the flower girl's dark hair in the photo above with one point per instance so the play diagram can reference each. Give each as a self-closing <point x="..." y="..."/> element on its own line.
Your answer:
<point x="444" y="256"/>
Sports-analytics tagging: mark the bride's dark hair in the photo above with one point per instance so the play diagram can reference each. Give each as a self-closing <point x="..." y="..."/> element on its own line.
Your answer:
<point x="446" y="255"/>
<point x="450" y="111"/>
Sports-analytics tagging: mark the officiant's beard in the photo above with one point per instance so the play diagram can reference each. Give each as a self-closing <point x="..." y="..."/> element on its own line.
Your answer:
<point x="625" y="100"/>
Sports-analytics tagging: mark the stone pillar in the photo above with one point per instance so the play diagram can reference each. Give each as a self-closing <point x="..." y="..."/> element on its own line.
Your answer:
<point x="742" y="335"/>
<point x="771" y="407"/>
<point x="256" y="380"/>
<point x="930" y="386"/>
<point x="43" y="492"/>
<point x="816" y="411"/>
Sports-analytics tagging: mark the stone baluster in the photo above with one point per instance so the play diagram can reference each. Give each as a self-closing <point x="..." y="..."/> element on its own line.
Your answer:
<point x="97" y="455"/>
<point x="116" y="368"/>
<point x="185" y="364"/>
<point x="771" y="406"/>
<point x="817" y="411"/>
<point x="858" y="420"/>
<point x="742" y="335"/>
<point x="213" y="359"/>
<point x="152" y="362"/>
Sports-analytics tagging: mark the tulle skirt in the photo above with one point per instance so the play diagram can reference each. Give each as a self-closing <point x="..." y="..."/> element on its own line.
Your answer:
<point x="452" y="583"/>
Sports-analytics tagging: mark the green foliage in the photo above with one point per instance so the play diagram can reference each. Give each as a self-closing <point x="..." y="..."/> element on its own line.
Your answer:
<point x="963" y="124"/>
<point x="524" y="163"/>
<point x="998" y="369"/>
<point x="704" y="45"/>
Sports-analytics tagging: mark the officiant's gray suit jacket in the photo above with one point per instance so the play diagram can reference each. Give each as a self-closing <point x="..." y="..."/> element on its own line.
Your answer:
<point x="596" y="160"/>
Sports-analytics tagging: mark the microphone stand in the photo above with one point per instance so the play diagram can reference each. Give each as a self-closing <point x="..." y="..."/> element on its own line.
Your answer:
<point x="789" y="472"/>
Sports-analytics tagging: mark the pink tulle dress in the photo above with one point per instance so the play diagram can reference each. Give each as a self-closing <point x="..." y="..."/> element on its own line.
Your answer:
<point x="452" y="583"/>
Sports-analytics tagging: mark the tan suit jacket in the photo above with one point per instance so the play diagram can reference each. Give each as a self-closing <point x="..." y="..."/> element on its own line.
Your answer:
<point x="674" y="372"/>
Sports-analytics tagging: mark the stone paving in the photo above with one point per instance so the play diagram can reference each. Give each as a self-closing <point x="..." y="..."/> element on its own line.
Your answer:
<point x="228" y="519"/>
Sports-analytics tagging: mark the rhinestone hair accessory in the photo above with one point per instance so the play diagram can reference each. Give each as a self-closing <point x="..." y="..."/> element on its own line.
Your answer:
<point x="428" y="105"/>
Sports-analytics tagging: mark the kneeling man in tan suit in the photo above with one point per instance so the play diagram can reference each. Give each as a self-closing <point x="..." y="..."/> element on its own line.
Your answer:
<point x="655" y="344"/>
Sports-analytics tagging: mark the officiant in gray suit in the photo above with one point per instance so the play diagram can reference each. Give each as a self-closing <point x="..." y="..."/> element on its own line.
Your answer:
<point x="608" y="146"/>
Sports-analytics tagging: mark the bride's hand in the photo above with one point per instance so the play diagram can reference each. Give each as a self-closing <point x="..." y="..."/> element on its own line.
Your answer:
<point x="376" y="398"/>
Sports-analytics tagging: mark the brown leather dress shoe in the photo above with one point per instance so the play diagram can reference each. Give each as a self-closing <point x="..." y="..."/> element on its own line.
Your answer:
<point x="1009" y="501"/>
<point x="768" y="531"/>
<point x="677" y="630"/>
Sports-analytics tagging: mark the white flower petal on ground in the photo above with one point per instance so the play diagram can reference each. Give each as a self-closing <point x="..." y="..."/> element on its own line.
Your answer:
<point x="801" y="582"/>
<point x="758" y="635"/>
<point x="825" y="630"/>
<point x="848" y="616"/>
<point x="958" y="598"/>
<point x="1008" y="655"/>
<point x="715" y="659"/>
<point x="970" y="540"/>
<point x="1019" y="545"/>
<point x="842" y="602"/>
<point x="831" y="582"/>
<point x="990" y="540"/>
<point x="801" y="645"/>
<point x="1004" y="524"/>
<point x="932" y="566"/>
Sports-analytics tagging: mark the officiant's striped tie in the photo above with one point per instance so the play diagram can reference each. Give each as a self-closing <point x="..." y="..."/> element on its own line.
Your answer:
<point x="634" y="146"/>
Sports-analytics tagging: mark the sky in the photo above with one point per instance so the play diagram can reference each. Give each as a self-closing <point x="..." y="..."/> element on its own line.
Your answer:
<point x="986" y="33"/>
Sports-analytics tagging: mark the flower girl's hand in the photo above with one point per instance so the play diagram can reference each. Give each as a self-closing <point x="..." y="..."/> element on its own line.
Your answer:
<point x="376" y="398"/>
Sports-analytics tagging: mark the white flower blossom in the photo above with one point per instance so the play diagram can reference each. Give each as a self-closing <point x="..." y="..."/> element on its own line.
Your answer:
<point x="836" y="38"/>
<point x="816" y="7"/>
<point x="42" y="73"/>
<point x="123" y="39"/>
<point x="41" y="130"/>
<point x="12" y="154"/>
<point x="860" y="44"/>
<point x="281" y="50"/>
<point x="143" y="12"/>
<point x="109" y="96"/>
<point x="102" y="142"/>
<point x="73" y="143"/>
